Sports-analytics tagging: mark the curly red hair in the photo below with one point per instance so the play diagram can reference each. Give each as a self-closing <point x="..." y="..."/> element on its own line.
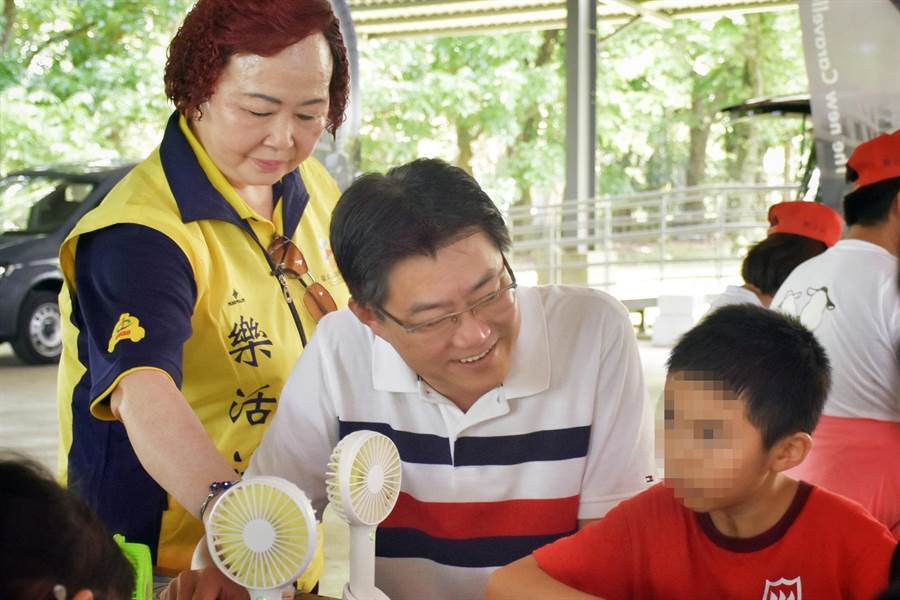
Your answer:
<point x="214" y="30"/>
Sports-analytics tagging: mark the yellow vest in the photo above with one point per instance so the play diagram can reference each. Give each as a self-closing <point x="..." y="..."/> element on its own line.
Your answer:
<point x="244" y="339"/>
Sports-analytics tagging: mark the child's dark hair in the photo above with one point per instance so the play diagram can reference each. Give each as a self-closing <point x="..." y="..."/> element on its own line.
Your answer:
<point x="51" y="538"/>
<point x="893" y="591"/>
<point x="769" y="262"/>
<point x="771" y="361"/>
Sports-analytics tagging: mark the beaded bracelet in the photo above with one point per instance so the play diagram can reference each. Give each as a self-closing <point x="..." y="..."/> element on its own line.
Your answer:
<point x="215" y="488"/>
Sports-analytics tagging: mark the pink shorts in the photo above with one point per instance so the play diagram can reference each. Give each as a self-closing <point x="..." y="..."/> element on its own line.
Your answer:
<point x="859" y="459"/>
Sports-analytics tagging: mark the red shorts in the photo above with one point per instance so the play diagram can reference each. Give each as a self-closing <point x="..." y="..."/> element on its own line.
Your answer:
<point x="859" y="459"/>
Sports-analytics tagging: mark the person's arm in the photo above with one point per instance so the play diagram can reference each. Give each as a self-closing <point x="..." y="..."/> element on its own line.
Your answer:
<point x="524" y="580"/>
<point x="168" y="438"/>
<point x="131" y="273"/>
<point x="305" y="406"/>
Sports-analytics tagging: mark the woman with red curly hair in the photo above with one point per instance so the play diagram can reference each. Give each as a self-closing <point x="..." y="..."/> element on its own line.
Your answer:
<point x="192" y="289"/>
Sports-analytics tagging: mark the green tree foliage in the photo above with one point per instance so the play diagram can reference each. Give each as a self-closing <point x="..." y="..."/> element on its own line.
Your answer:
<point x="660" y="92"/>
<point x="491" y="104"/>
<point x="496" y="104"/>
<point x="82" y="79"/>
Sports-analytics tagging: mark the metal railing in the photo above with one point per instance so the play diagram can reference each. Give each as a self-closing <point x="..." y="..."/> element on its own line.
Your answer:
<point x="686" y="240"/>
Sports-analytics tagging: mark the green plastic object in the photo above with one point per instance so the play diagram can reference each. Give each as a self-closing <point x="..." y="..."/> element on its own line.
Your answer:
<point x="139" y="557"/>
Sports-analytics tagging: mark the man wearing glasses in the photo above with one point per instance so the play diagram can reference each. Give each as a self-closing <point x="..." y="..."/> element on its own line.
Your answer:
<point x="519" y="413"/>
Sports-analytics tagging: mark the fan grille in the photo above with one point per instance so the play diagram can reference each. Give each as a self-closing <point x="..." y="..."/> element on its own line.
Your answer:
<point x="260" y="535"/>
<point x="371" y="479"/>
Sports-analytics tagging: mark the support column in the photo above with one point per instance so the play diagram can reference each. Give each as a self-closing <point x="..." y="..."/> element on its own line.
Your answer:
<point x="581" y="86"/>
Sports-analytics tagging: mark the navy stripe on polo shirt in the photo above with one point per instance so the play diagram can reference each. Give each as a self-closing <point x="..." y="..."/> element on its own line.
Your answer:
<point x="115" y="267"/>
<point x="413" y="447"/>
<point x="548" y="445"/>
<point x="554" y="444"/>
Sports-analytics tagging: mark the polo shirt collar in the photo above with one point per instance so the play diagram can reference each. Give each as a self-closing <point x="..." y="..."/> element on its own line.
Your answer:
<point x="201" y="190"/>
<point x="390" y="373"/>
<point x="529" y="372"/>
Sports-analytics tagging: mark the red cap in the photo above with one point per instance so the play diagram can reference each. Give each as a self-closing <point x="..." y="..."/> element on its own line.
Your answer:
<point x="809" y="219"/>
<point x="877" y="159"/>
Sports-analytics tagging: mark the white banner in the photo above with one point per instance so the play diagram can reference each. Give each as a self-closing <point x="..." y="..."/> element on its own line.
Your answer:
<point x="852" y="50"/>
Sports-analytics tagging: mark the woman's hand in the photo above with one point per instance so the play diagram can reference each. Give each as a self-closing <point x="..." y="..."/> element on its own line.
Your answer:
<point x="207" y="584"/>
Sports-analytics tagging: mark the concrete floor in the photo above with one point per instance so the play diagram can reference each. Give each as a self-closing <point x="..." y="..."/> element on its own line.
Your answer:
<point x="28" y="424"/>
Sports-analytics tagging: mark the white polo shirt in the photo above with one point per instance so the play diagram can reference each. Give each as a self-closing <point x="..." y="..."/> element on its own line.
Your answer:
<point x="567" y="436"/>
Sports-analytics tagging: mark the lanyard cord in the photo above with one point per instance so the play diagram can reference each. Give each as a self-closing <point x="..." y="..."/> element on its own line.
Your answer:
<point x="274" y="272"/>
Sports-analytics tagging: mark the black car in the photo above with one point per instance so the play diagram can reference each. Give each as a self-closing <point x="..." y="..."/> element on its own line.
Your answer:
<point x="796" y="106"/>
<point x="38" y="208"/>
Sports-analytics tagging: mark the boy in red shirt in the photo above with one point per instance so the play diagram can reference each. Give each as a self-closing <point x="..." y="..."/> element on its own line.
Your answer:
<point x="745" y="389"/>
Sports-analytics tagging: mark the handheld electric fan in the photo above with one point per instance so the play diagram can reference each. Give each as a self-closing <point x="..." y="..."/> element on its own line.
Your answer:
<point x="262" y="535"/>
<point x="363" y="483"/>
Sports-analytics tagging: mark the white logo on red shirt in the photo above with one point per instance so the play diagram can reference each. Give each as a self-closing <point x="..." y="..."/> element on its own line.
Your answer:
<point x="783" y="589"/>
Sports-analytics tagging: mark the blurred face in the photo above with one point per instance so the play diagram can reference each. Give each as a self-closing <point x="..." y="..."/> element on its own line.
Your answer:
<point x="465" y="357"/>
<point x="266" y="113"/>
<point x="714" y="457"/>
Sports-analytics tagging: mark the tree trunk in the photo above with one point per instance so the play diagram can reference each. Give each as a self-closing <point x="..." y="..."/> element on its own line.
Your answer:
<point x="531" y="116"/>
<point x="754" y="79"/>
<point x="699" y="132"/>
<point x="744" y="142"/>
<point x="9" y="19"/>
<point x="464" y="139"/>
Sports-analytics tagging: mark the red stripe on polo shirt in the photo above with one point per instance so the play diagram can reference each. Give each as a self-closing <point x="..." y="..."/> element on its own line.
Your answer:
<point x="467" y="520"/>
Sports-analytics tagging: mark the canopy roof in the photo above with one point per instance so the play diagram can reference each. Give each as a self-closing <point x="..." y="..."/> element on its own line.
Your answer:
<point x="396" y="18"/>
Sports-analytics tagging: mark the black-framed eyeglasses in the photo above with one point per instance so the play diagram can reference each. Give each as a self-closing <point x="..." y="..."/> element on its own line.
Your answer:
<point x="493" y="305"/>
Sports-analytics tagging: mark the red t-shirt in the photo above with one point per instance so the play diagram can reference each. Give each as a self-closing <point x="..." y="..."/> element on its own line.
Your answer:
<point x="651" y="546"/>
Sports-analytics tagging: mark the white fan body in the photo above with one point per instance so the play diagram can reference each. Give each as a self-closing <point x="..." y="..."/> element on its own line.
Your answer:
<point x="363" y="483"/>
<point x="262" y="535"/>
<point x="362" y="566"/>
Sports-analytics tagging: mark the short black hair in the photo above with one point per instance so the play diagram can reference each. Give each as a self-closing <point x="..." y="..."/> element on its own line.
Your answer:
<point x="769" y="360"/>
<point x="769" y="262"/>
<point x="870" y="204"/>
<point x="50" y="537"/>
<point x="412" y="210"/>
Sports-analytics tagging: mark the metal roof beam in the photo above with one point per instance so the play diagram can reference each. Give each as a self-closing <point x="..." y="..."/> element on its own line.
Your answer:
<point x="374" y="18"/>
<point x="485" y="17"/>
<point x="651" y="16"/>
<point x="363" y="11"/>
